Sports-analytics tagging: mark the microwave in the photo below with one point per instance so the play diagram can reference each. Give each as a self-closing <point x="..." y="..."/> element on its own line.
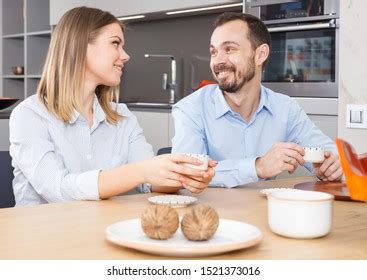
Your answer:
<point x="303" y="60"/>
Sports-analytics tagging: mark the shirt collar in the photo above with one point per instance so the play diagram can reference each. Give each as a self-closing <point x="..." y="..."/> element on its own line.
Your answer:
<point x="222" y="107"/>
<point x="264" y="101"/>
<point x="74" y="117"/>
<point x="220" y="103"/>
<point x="99" y="114"/>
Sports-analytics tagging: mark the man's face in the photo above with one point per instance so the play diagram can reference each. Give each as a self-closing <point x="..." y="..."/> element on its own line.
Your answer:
<point x="232" y="58"/>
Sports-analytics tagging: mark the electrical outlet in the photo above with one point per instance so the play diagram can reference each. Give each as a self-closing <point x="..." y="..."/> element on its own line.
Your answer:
<point x="356" y="116"/>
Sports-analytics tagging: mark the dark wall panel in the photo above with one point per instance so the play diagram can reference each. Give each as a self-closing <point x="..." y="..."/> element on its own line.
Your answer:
<point x="187" y="38"/>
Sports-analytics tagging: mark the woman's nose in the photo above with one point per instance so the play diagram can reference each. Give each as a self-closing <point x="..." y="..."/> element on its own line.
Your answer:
<point x="124" y="56"/>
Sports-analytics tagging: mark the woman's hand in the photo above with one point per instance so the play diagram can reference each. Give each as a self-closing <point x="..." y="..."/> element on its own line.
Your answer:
<point x="198" y="184"/>
<point x="168" y="171"/>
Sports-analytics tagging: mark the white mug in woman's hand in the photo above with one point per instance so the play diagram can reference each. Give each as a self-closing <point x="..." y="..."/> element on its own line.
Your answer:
<point x="203" y="158"/>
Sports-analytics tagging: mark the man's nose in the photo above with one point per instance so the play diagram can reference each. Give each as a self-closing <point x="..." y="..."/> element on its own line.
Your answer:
<point x="220" y="58"/>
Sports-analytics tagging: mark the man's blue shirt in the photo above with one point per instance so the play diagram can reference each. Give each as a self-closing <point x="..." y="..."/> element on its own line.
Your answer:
<point x="205" y="123"/>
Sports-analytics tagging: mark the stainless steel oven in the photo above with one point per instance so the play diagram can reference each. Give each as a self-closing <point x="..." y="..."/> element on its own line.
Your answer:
<point x="304" y="55"/>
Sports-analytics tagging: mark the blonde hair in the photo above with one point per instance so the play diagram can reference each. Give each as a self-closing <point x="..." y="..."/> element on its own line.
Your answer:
<point x="64" y="70"/>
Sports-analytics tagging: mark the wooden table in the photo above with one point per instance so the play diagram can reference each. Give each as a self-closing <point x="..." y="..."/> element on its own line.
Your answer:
<point x="75" y="230"/>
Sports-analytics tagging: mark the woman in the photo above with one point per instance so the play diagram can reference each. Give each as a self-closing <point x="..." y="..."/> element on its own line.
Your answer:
<point x="70" y="142"/>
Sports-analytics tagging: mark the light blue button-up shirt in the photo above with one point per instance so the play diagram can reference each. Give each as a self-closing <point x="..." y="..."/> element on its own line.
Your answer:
<point x="56" y="161"/>
<point x="205" y="123"/>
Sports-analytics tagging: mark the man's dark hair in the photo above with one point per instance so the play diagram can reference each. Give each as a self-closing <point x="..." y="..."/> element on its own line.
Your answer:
<point x="258" y="33"/>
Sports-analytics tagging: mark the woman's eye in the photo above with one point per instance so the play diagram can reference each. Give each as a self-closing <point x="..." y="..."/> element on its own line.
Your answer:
<point x="115" y="44"/>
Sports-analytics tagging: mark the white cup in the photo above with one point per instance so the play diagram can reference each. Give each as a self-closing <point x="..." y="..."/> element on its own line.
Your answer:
<point x="202" y="157"/>
<point x="303" y="214"/>
<point x="313" y="154"/>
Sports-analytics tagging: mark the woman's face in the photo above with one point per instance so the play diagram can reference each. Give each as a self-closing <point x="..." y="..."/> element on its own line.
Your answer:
<point x="106" y="57"/>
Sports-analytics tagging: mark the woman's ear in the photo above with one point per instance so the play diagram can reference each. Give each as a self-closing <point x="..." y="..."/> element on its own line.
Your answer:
<point x="262" y="53"/>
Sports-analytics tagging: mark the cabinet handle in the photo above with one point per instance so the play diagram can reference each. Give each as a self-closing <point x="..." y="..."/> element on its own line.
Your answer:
<point x="330" y="24"/>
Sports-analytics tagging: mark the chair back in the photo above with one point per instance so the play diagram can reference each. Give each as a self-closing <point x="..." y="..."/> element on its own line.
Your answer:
<point x="6" y="181"/>
<point x="355" y="170"/>
<point x="165" y="150"/>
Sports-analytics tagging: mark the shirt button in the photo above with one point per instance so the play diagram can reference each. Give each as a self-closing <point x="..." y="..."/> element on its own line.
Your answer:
<point x="89" y="156"/>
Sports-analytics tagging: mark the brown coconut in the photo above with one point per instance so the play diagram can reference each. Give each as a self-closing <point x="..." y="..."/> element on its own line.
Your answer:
<point x="159" y="221"/>
<point x="200" y="223"/>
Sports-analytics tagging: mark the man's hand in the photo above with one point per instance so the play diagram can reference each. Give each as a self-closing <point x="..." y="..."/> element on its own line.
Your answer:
<point x="281" y="157"/>
<point x="330" y="169"/>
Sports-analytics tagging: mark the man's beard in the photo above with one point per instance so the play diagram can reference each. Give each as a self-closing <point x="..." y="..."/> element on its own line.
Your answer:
<point x="238" y="82"/>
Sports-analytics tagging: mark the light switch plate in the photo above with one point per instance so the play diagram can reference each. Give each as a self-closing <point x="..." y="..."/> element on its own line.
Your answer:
<point x="356" y="116"/>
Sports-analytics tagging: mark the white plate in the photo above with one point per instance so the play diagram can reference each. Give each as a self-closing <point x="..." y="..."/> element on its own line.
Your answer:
<point x="266" y="192"/>
<point x="173" y="200"/>
<point x="231" y="235"/>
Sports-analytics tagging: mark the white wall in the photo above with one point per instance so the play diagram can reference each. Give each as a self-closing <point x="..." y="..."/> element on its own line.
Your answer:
<point x="353" y="67"/>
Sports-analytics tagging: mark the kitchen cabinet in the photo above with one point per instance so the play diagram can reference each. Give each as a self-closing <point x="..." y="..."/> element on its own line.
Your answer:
<point x="323" y="112"/>
<point x="25" y="38"/>
<point x="116" y="7"/>
<point x="121" y="8"/>
<point x="4" y="135"/>
<point x="158" y="6"/>
<point x="157" y="126"/>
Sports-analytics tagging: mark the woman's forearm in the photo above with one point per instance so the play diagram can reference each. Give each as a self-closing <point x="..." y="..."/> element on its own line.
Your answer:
<point x="120" y="179"/>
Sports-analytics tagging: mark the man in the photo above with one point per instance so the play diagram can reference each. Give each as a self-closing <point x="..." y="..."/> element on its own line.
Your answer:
<point x="253" y="132"/>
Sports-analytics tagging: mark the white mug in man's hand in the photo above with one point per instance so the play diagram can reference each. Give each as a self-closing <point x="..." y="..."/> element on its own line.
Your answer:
<point x="314" y="154"/>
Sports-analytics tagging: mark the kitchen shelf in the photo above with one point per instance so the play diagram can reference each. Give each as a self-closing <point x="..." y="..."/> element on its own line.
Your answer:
<point x="14" y="36"/>
<point x="13" y="88"/>
<point x="37" y="15"/>
<point x="13" y="76"/>
<point x="45" y="33"/>
<point x="37" y="46"/>
<point x="13" y="19"/>
<point x="25" y="40"/>
<point x="13" y="54"/>
<point x="32" y="84"/>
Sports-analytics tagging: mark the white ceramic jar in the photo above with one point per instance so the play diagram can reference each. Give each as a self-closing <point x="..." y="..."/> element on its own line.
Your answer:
<point x="303" y="214"/>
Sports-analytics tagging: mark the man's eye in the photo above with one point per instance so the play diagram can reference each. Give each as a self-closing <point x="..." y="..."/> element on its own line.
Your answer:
<point x="228" y="50"/>
<point x="212" y="52"/>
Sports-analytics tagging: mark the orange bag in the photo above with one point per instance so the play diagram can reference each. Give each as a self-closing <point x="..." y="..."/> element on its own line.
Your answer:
<point x="355" y="170"/>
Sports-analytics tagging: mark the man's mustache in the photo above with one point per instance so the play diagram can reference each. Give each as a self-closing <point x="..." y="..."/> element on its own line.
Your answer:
<point x="223" y="67"/>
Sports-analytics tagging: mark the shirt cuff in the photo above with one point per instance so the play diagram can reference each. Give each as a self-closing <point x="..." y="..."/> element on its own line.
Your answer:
<point x="247" y="170"/>
<point x="87" y="185"/>
<point x="144" y="188"/>
<point x="233" y="173"/>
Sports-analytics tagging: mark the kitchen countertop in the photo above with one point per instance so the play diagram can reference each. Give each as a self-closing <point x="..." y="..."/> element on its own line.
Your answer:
<point x="149" y="105"/>
<point x="5" y="114"/>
